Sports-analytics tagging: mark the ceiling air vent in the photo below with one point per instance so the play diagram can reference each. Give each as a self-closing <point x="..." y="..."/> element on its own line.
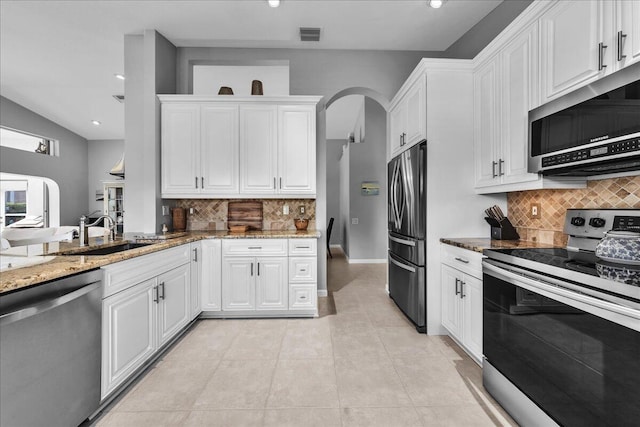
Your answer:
<point x="309" y="34"/>
<point x="119" y="98"/>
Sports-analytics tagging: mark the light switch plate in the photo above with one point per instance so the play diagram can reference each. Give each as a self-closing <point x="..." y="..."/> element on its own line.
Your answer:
<point x="165" y="210"/>
<point x="285" y="210"/>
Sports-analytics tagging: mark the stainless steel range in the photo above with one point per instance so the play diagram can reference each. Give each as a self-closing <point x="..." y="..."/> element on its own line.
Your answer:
<point x="561" y="326"/>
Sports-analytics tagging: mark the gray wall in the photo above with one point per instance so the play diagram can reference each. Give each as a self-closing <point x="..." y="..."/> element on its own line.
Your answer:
<point x="368" y="238"/>
<point x="334" y="152"/>
<point x="345" y="221"/>
<point x="69" y="170"/>
<point x="102" y="156"/>
<point x="150" y="69"/>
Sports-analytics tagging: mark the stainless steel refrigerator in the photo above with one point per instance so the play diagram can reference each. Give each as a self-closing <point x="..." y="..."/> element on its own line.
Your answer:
<point x="407" y="232"/>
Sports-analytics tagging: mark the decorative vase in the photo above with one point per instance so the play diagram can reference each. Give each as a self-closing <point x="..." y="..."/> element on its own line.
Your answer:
<point x="301" y="224"/>
<point x="225" y="90"/>
<point x="256" y="87"/>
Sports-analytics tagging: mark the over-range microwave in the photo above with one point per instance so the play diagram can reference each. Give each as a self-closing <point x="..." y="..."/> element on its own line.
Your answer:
<point x="591" y="131"/>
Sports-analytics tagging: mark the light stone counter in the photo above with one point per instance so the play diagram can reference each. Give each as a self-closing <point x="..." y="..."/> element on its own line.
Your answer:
<point x="56" y="260"/>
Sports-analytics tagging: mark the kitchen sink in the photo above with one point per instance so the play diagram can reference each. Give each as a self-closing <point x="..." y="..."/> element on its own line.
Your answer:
<point x="111" y="249"/>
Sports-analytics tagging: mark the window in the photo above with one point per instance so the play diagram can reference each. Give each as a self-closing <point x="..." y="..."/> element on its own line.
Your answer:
<point x="26" y="142"/>
<point x="15" y="202"/>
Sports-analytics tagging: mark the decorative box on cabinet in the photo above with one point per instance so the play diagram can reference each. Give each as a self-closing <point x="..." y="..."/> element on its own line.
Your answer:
<point x="461" y="281"/>
<point x="215" y="146"/>
<point x="145" y="305"/>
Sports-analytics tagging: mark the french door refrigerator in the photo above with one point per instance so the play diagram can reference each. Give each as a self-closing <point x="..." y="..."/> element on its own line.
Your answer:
<point x="407" y="232"/>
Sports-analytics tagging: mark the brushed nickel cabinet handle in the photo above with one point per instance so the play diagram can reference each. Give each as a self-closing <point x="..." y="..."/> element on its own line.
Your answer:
<point x="281" y="183"/>
<point x="466" y="261"/>
<point x="457" y="282"/>
<point x="258" y="269"/>
<point x="196" y="182"/>
<point x="195" y="254"/>
<point x="155" y="294"/>
<point x="621" y="37"/>
<point x="303" y="297"/>
<point x="202" y="182"/>
<point x="252" y="269"/>
<point x="601" y="64"/>
<point x="500" y="163"/>
<point x="462" y="294"/>
<point x="493" y="169"/>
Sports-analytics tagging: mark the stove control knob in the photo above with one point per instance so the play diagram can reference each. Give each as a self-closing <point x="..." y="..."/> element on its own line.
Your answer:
<point x="597" y="222"/>
<point x="578" y="221"/>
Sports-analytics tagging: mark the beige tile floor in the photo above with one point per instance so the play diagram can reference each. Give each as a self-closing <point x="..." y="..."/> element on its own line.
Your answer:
<point x="361" y="363"/>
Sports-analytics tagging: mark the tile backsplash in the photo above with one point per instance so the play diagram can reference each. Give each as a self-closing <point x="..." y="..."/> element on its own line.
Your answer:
<point x="621" y="193"/>
<point x="211" y="214"/>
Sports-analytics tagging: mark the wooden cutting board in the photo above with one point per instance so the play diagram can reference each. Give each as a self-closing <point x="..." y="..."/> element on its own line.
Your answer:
<point x="245" y="213"/>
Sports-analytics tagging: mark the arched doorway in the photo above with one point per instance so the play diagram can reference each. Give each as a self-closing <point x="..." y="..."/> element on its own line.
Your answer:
<point x="321" y="204"/>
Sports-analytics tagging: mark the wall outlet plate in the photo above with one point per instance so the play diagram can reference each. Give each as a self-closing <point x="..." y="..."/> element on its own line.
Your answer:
<point x="534" y="210"/>
<point x="285" y="210"/>
<point x="301" y="209"/>
<point x="165" y="210"/>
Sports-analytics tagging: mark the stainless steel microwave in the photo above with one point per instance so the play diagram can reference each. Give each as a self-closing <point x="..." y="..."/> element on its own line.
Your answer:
<point x="593" y="130"/>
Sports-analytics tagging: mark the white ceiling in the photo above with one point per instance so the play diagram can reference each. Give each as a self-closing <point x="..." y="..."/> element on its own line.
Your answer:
<point x="58" y="58"/>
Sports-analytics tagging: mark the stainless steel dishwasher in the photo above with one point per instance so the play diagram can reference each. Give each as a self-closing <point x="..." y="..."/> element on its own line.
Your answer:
<point x="50" y="350"/>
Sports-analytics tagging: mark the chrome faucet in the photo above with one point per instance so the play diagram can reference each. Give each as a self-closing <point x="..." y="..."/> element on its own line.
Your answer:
<point x="84" y="233"/>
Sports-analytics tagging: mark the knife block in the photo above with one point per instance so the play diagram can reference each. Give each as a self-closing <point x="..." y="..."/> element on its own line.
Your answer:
<point x="505" y="231"/>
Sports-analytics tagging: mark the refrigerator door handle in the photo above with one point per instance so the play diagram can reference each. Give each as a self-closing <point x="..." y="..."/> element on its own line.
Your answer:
<point x="403" y="266"/>
<point x="394" y="198"/>
<point x="402" y="241"/>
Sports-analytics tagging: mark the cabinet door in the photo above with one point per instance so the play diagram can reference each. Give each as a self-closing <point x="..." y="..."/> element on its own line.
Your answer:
<point x="173" y="293"/>
<point x="238" y="284"/>
<point x="571" y="33"/>
<point x="272" y="287"/>
<point x="258" y="149"/>
<point x="485" y="125"/>
<point x="450" y="279"/>
<point x="628" y="22"/>
<point x="219" y="149"/>
<point x="519" y="77"/>
<point x="396" y="128"/>
<point x="472" y="309"/>
<point x="180" y="152"/>
<point x="194" y="284"/>
<point x="416" y="105"/>
<point x="296" y="149"/>
<point x="211" y="275"/>
<point x="128" y="333"/>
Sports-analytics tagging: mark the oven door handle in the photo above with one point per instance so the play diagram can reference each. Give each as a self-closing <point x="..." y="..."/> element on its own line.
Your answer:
<point x="554" y="289"/>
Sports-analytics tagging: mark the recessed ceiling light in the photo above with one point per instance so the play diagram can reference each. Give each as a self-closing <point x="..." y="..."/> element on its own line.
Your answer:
<point x="435" y="4"/>
<point x="95" y="122"/>
<point x="119" y="76"/>
<point x="273" y="3"/>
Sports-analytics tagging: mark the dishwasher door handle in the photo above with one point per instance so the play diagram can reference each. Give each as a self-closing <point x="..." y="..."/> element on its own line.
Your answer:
<point x="44" y="306"/>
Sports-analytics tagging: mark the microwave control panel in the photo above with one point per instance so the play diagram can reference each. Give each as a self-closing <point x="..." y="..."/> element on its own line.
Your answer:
<point x="611" y="149"/>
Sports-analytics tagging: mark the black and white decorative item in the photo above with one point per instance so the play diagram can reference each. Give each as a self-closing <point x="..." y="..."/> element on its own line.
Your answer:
<point x="620" y="247"/>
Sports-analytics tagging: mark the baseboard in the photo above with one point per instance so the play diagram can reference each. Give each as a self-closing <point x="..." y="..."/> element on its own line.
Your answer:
<point x="367" y="261"/>
<point x="323" y="293"/>
<point x="336" y="246"/>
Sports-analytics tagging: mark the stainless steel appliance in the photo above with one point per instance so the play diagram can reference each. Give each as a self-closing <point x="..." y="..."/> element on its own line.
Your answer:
<point x="50" y="350"/>
<point x="593" y="130"/>
<point x="407" y="231"/>
<point x="561" y="328"/>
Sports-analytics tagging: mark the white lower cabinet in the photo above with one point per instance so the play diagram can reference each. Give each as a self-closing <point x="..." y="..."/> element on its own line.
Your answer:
<point x="461" y="290"/>
<point x="195" y="294"/>
<point x="142" y="312"/>
<point x="267" y="277"/>
<point x="210" y="259"/>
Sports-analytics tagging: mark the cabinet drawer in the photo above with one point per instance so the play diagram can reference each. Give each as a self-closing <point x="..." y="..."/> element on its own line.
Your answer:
<point x="465" y="260"/>
<point x="303" y="246"/>
<point x="124" y="274"/>
<point x="302" y="297"/>
<point x="254" y="247"/>
<point x="303" y="269"/>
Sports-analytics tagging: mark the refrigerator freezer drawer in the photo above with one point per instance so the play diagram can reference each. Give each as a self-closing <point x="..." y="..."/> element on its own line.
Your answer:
<point x="407" y="288"/>
<point x="407" y="248"/>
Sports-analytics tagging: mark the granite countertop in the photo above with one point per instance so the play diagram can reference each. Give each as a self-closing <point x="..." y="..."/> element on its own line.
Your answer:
<point x="36" y="264"/>
<point x="478" y="244"/>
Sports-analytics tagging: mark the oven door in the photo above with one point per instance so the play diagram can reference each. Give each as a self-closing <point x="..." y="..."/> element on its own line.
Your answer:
<point x="567" y="352"/>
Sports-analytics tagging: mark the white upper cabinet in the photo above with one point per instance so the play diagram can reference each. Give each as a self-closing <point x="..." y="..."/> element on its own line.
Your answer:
<point x="238" y="147"/>
<point x="219" y="149"/>
<point x="297" y="149"/>
<point x="573" y="51"/>
<point x="180" y="151"/>
<point x="627" y="32"/>
<point x="582" y="41"/>
<point x="408" y="116"/>
<point x="258" y="149"/>
<point x="486" y="123"/>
